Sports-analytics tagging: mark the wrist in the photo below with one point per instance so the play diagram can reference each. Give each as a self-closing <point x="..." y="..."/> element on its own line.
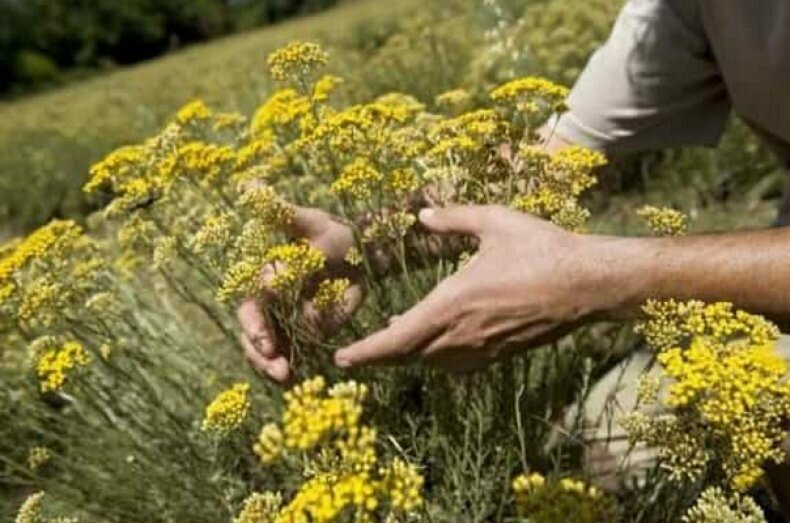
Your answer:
<point x="621" y="274"/>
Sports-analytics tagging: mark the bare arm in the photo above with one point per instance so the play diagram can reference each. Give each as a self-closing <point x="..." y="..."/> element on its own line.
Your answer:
<point x="532" y="282"/>
<point x="750" y="269"/>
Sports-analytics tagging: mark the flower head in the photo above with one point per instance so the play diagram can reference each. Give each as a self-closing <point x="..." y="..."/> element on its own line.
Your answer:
<point x="228" y="411"/>
<point x="296" y="60"/>
<point x="55" y="363"/>
<point x="663" y="221"/>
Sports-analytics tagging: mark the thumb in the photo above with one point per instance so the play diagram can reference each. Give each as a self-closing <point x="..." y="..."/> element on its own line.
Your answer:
<point x="460" y="219"/>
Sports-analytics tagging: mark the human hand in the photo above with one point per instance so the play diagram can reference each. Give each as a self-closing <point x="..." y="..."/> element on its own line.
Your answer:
<point x="265" y="350"/>
<point x="529" y="283"/>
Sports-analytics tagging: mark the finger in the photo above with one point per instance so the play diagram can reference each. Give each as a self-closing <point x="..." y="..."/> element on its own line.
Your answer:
<point x="308" y="222"/>
<point x="255" y="329"/>
<point x="461" y="219"/>
<point x="276" y="368"/>
<point x="407" y="336"/>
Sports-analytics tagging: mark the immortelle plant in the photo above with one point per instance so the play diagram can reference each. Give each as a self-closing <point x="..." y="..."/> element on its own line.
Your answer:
<point x="131" y="329"/>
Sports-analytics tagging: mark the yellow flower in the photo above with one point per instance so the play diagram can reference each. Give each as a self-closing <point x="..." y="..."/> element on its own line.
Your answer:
<point x="223" y="121"/>
<point x="206" y="161"/>
<point x="269" y="444"/>
<point x="353" y="257"/>
<point x="297" y="60"/>
<point x="294" y="264"/>
<point x="715" y="506"/>
<point x="50" y="242"/>
<point x="729" y="391"/>
<point x="38" y="457"/>
<point x="215" y="233"/>
<point x="118" y="165"/>
<point x="525" y="91"/>
<point x="456" y="99"/>
<point x="228" y="411"/>
<point x="282" y="108"/>
<point x="663" y="221"/>
<point x="260" y="508"/>
<point x="194" y="111"/>
<point x="54" y="363"/>
<point x="241" y="280"/>
<point x="404" y="181"/>
<point x="267" y="206"/>
<point x="30" y="511"/>
<point x="567" y="500"/>
<point x="402" y="483"/>
<point x="324" y="87"/>
<point x="358" y="180"/>
<point x="331" y="294"/>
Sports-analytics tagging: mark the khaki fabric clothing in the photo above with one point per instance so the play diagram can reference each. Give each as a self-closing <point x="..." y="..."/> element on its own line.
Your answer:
<point x="672" y="70"/>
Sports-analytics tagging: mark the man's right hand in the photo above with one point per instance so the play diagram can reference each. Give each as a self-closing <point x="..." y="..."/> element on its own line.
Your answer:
<point x="269" y="353"/>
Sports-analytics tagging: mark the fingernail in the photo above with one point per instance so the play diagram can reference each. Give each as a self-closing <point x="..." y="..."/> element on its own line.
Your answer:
<point x="425" y="214"/>
<point x="342" y="361"/>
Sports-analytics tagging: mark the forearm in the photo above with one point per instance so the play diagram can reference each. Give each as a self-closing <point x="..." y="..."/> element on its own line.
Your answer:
<point x="749" y="269"/>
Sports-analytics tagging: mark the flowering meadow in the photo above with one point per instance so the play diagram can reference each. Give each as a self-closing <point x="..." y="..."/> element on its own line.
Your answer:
<point x="129" y="399"/>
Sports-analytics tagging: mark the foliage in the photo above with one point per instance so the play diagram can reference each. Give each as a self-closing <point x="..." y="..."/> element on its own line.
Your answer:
<point x="41" y="38"/>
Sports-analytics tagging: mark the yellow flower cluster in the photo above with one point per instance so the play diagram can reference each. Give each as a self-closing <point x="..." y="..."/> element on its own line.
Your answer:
<point x="267" y="206"/>
<point x="525" y="93"/>
<point x="296" y="60"/>
<point x="331" y="294"/>
<point x="52" y="241"/>
<point x="663" y="221"/>
<point x="403" y="482"/>
<point x="342" y="476"/>
<point x="558" y="180"/>
<point x="54" y="363"/>
<point x="310" y="418"/>
<point x="206" y="161"/>
<point x="241" y="280"/>
<point x="215" y="233"/>
<point x="193" y="111"/>
<point x="466" y="134"/>
<point x="541" y="500"/>
<point x="358" y="180"/>
<point x="324" y="498"/>
<point x="457" y="99"/>
<point x="119" y="165"/>
<point x="37" y="457"/>
<point x="269" y="445"/>
<point x="714" y="506"/>
<point x="324" y="87"/>
<point x="282" y="108"/>
<point x="668" y="323"/>
<point x="40" y="300"/>
<point x="32" y="511"/>
<point x="729" y="389"/>
<point x="260" y="508"/>
<point x="294" y="264"/>
<point x="228" y="411"/>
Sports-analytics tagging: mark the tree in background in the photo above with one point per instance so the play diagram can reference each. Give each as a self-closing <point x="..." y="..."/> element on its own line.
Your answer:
<point x="43" y="42"/>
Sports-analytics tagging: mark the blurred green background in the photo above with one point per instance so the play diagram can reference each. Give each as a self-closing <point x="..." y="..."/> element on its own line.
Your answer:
<point x="46" y="42"/>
